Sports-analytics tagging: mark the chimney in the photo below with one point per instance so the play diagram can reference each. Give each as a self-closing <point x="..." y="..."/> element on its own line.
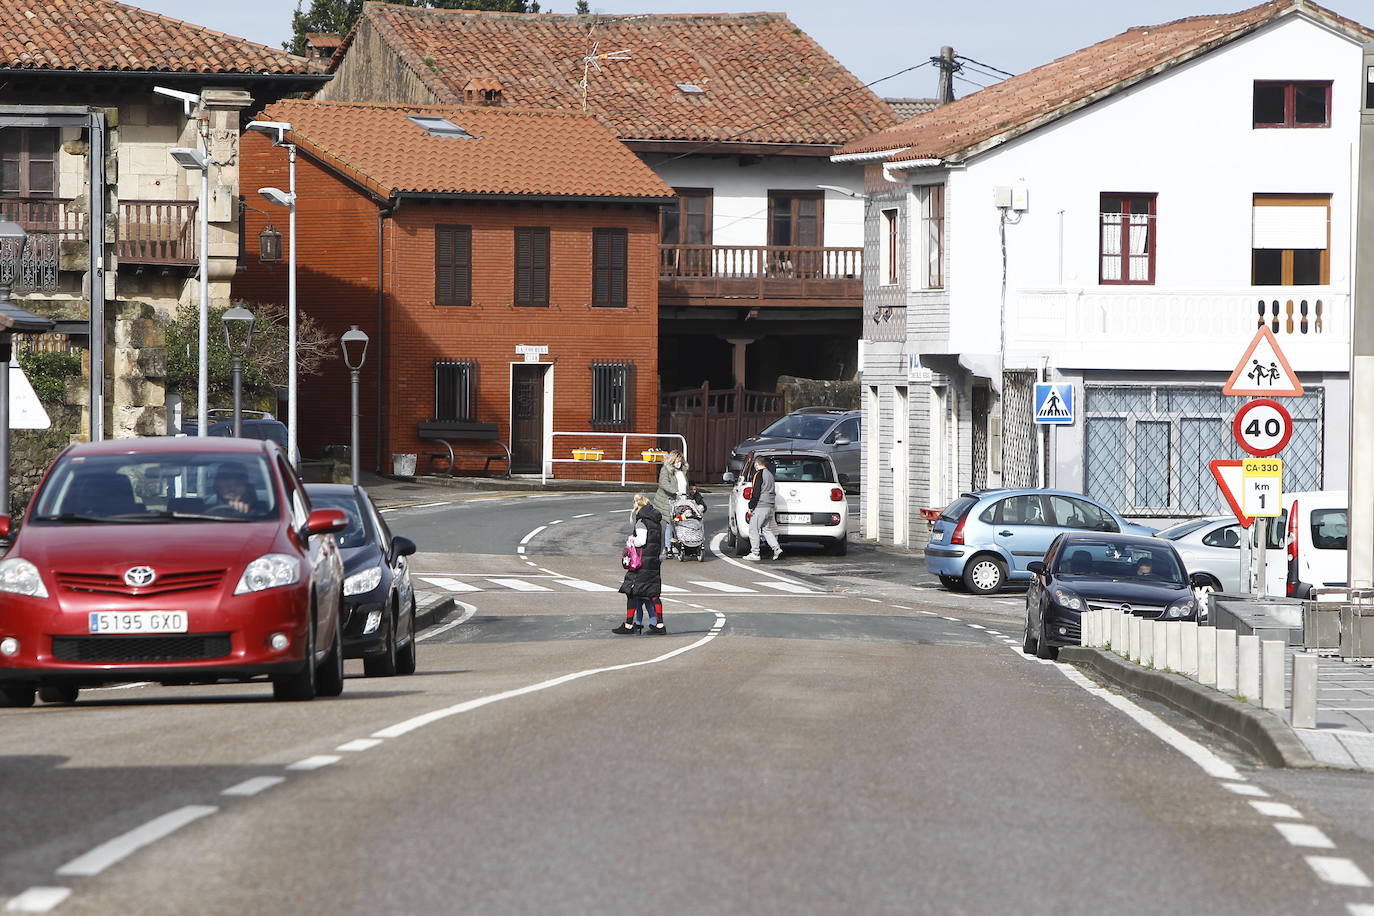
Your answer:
<point x="482" y="90"/>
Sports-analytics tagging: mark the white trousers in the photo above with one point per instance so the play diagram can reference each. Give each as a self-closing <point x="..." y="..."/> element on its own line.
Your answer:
<point x="762" y="524"/>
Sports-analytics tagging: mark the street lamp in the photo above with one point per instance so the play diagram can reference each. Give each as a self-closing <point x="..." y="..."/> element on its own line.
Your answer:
<point x="354" y="343"/>
<point x="194" y="160"/>
<point x="238" y="338"/>
<point x="287" y="198"/>
<point x="13" y="320"/>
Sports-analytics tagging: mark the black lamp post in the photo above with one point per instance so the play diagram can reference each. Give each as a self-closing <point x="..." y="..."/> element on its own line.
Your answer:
<point x="238" y="338"/>
<point x="13" y="320"/>
<point x="354" y="343"/>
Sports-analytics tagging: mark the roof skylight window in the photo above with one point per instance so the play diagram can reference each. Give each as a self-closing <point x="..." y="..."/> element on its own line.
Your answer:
<point x="690" y="89"/>
<point x="440" y="127"/>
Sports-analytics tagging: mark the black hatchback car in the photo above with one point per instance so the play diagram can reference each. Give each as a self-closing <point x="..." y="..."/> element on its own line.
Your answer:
<point x="378" y="598"/>
<point x="1085" y="571"/>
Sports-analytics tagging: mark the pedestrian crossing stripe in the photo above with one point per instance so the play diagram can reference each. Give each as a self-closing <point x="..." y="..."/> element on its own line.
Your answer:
<point x="1054" y="403"/>
<point x="557" y="583"/>
<point x="447" y="584"/>
<point x="724" y="587"/>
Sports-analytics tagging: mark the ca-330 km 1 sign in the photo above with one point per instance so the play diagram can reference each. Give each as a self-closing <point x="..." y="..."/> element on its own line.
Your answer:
<point x="1263" y="427"/>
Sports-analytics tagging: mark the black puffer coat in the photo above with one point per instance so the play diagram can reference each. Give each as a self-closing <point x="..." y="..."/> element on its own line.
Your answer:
<point x="645" y="581"/>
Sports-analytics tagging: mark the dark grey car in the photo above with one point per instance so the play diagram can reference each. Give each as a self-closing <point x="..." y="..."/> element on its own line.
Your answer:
<point x="826" y="429"/>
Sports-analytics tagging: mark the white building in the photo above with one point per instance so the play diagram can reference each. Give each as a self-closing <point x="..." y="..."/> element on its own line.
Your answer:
<point x="1121" y="219"/>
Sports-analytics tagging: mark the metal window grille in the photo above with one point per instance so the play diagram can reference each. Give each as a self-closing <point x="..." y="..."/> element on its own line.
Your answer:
<point x="611" y="394"/>
<point x="455" y="389"/>
<point x="978" y="479"/>
<point x="1146" y="448"/>
<point x="1019" y="452"/>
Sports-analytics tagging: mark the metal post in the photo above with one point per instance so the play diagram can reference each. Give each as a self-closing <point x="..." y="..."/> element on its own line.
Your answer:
<point x="238" y="397"/>
<point x="1360" y="552"/>
<point x="353" y="447"/>
<point x="624" y="454"/>
<point x="1261" y="558"/>
<point x="292" y="411"/>
<point x="6" y="353"/>
<point x="203" y="347"/>
<point x="96" y="328"/>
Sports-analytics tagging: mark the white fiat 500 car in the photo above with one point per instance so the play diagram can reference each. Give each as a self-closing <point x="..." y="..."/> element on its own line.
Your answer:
<point x="811" y="505"/>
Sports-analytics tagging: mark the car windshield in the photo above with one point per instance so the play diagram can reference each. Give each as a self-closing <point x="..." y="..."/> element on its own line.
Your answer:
<point x="157" y="487"/>
<point x="801" y="469"/>
<point x="1113" y="560"/>
<point x="355" y="535"/>
<point x="1182" y="529"/>
<point x="800" y="426"/>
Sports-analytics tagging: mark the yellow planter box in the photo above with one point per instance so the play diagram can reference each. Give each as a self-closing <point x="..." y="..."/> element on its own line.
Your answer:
<point x="588" y="454"/>
<point x="653" y="455"/>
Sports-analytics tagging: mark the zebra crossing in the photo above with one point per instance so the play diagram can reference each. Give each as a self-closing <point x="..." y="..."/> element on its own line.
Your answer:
<point x="460" y="583"/>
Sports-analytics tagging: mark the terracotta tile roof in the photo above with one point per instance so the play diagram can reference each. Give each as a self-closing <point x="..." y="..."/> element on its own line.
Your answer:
<point x="909" y="108"/>
<point x="1020" y="103"/>
<point x="541" y="153"/>
<point x="104" y="35"/>
<point x="755" y="68"/>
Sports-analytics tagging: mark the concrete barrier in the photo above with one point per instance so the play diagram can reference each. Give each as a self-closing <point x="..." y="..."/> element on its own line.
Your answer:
<point x="1207" y="656"/>
<point x="1248" y="668"/>
<point x="1173" y="647"/>
<point x="1188" y="647"/>
<point x="1147" y="642"/>
<point x="1226" y="661"/>
<point x="1133" y="638"/>
<point x="1119" y="629"/>
<point x="1271" y="674"/>
<point x="1304" y="690"/>
<point x="1160" y="649"/>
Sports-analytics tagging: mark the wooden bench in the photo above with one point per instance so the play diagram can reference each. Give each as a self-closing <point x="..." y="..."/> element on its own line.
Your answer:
<point x="446" y="432"/>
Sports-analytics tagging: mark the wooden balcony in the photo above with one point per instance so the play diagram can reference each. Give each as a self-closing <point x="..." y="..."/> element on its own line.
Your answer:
<point x="150" y="231"/>
<point x="769" y="275"/>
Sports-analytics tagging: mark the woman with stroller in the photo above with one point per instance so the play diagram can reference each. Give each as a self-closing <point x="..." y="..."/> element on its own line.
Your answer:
<point x="672" y="486"/>
<point x="642" y="587"/>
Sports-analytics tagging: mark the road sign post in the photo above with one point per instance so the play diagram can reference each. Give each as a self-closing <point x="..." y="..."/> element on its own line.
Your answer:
<point x="1262" y="499"/>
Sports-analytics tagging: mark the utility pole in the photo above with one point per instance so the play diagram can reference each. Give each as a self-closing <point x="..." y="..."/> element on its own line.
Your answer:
<point x="1360" y="552"/>
<point x="947" y="66"/>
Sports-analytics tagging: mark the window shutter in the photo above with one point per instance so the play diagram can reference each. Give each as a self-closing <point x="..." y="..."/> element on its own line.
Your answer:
<point x="539" y="284"/>
<point x="523" y="267"/>
<point x="462" y="265"/>
<point x="619" y="243"/>
<point x="601" y="267"/>
<point x="443" y="265"/>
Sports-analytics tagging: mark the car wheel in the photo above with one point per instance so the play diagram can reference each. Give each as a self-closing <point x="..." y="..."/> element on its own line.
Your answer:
<point x="301" y="685"/>
<point x="1043" y="649"/>
<point x="1029" y="644"/>
<point x="740" y="546"/>
<point x="329" y="681"/>
<point x="952" y="583"/>
<point x="16" y="696"/>
<point x="384" y="665"/>
<point x="985" y="574"/>
<point x="729" y="544"/>
<point x="58" y="693"/>
<point x="405" y="655"/>
<point x="838" y="547"/>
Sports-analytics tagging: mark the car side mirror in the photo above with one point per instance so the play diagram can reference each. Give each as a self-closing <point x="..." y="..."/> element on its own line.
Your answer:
<point x="402" y="546"/>
<point x="1035" y="566"/>
<point x="4" y="526"/>
<point x="843" y="440"/>
<point x="1199" y="580"/>
<point x="844" y="480"/>
<point x="728" y="477"/>
<point x="325" y="521"/>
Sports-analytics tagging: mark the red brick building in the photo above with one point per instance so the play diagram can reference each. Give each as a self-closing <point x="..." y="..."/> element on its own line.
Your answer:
<point x="503" y="262"/>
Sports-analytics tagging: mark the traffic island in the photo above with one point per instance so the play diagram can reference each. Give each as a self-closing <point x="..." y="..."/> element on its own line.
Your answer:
<point x="432" y="608"/>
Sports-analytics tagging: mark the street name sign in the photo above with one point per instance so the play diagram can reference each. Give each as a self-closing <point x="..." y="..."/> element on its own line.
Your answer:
<point x="1262" y="427"/>
<point x="1262" y="487"/>
<point x="1053" y="404"/>
<point x="1229" y="473"/>
<point x="1264" y="371"/>
<point x="531" y="352"/>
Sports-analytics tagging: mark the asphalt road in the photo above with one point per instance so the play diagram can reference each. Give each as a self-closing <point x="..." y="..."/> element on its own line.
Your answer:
<point x="815" y="735"/>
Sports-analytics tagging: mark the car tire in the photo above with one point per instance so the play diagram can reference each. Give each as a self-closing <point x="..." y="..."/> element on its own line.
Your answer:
<point x="1029" y="644"/>
<point x="329" y="680"/>
<point x="985" y="574"/>
<point x="17" y="697"/>
<point x="740" y="545"/>
<point x="1043" y="649"/>
<point x="405" y="655"/>
<point x="952" y="583"/>
<point x="299" y="686"/>
<point x="58" y="693"/>
<point x="838" y="547"/>
<point x="384" y="665"/>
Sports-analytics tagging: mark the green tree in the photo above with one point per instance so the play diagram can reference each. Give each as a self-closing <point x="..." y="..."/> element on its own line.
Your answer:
<point x="264" y="368"/>
<point x="582" y="8"/>
<point x="339" y="15"/>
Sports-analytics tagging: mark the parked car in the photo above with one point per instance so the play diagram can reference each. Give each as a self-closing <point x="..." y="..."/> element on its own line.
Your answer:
<point x="1315" y="526"/>
<point x="985" y="538"/>
<point x="173" y="560"/>
<point x="1217" y="547"/>
<point x="257" y="424"/>
<point x="1084" y="571"/>
<point x="811" y="504"/>
<point x="378" y="598"/>
<point x="837" y="433"/>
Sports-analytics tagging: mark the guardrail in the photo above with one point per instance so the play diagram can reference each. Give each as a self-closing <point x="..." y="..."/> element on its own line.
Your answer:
<point x="624" y="460"/>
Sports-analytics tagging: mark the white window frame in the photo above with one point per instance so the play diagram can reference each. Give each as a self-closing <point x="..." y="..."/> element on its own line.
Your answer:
<point x="889" y="246"/>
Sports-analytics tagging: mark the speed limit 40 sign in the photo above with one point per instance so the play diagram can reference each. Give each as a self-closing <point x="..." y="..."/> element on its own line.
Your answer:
<point x="1263" y="427"/>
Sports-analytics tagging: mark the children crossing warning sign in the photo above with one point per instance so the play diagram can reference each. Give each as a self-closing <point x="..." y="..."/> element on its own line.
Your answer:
<point x="1264" y="370"/>
<point x="1054" y="404"/>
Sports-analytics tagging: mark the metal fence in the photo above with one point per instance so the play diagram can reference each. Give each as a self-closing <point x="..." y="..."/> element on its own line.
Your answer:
<point x="1019" y="432"/>
<point x="1147" y="447"/>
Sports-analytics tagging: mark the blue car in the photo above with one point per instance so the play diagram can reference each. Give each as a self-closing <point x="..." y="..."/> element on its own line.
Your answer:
<point x="986" y="538"/>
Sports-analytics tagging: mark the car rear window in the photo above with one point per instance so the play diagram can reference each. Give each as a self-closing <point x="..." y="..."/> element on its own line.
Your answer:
<point x="1182" y="529"/>
<point x="1329" y="529"/>
<point x="800" y="426"/>
<point x="154" y="486"/>
<point x="801" y="469"/>
<point x="958" y="509"/>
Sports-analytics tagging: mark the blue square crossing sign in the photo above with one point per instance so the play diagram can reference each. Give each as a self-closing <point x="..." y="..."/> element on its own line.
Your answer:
<point x="1054" y="404"/>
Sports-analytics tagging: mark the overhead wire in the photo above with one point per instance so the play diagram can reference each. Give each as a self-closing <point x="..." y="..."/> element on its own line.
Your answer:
<point x="977" y="63"/>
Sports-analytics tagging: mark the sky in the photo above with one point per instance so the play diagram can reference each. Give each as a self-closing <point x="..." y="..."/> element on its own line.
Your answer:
<point x="872" y="38"/>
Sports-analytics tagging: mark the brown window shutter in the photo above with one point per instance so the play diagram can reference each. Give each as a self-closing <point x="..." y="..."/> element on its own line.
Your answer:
<point x="524" y="267"/>
<point x="539" y="262"/>
<point x="443" y="265"/>
<point x="462" y="265"/>
<point x="618" y="266"/>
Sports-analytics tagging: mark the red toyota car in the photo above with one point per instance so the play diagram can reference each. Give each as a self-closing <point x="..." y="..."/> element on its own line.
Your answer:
<point x="176" y="560"/>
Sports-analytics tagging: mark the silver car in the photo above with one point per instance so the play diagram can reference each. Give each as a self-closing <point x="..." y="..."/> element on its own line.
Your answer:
<point x="825" y="429"/>
<point x="1217" y="547"/>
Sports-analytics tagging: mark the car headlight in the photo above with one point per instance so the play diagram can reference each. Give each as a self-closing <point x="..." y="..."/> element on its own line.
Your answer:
<point x="271" y="570"/>
<point x="1183" y="607"/>
<point x="362" y="582"/>
<point x="1064" y="597"/>
<point x="20" y="577"/>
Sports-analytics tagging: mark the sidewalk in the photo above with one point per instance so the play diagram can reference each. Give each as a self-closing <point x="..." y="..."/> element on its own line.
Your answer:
<point x="1344" y="735"/>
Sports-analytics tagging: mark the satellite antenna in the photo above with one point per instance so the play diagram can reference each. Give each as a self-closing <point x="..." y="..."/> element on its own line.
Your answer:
<point x="594" y="59"/>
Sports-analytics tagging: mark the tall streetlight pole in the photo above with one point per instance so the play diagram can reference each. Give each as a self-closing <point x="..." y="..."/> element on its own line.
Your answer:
<point x="354" y="343"/>
<point x="1360" y="555"/>
<point x="13" y="320"/>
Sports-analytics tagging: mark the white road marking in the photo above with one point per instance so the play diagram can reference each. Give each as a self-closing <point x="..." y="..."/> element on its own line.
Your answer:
<point x="901" y="607"/>
<point x="673" y="590"/>
<point x="955" y="619"/>
<point x="529" y="563"/>
<point x="871" y="600"/>
<point x="557" y="521"/>
<point x="468" y="611"/>
<point x="520" y="550"/>
<point x="751" y="567"/>
<point x="37" y="900"/>
<point x="1276" y="809"/>
<point x="724" y="587"/>
<point x="420" y="721"/>
<point x="358" y="744"/>
<point x="1360" y="909"/>
<point x="314" y="763"/>
<point x="253" y="786"/>
<point x="452" y="585"/>
<point x="977" y="626"/>
<point x="1241" y="788"/>
<point x="792" y="587"/>
<point x="1335" y="870"/>
<point x="419" y="506"/>
<point x="585" y="515"/>
<point x="520" y="585"/>
<point x="126" y="844"/>
<point x="585" y="586"/>
<point x="1305" y="835"/>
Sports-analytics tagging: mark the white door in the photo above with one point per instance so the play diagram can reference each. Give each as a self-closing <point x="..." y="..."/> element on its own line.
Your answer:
<point x="900" y="464"/>
<point x="872" y="486"/>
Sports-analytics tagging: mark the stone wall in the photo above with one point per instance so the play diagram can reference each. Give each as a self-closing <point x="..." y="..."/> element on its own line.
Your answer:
<point x="32" y="450"/>
<point x="807" y="392"/>
<point x="137" y="363"/>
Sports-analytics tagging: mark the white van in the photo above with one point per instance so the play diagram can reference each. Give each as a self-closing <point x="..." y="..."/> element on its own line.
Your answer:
<point x="1307" y="543"/>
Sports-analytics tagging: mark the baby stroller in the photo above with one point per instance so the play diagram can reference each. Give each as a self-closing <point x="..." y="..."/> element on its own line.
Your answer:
<point x="689" y="533"/>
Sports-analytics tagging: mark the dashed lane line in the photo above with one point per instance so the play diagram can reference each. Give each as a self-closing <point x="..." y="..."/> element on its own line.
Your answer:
<point x="1336" y="870"/>
<point x="585" y="515"/>
<point x="358" y="744"/>
<point x="251" y="787"/>
<point x="1242" y="788"/>
<point x="38" y="900"/>
<point x="1305" y="835"/>
<point x="1276" y="809"/>
<point x="126" y="844"/>
<point x="319" y="761"/>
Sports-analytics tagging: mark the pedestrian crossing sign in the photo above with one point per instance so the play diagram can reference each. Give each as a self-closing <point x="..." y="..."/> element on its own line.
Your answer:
<point x="1054" y="404"/>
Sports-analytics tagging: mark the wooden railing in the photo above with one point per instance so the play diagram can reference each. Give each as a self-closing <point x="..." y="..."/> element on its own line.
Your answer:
<point x="781" y="272"/>
<point x="150" y="231"/>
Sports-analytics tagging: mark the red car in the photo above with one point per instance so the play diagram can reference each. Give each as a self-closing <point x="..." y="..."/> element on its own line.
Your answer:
<point x="177" y="560"/>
